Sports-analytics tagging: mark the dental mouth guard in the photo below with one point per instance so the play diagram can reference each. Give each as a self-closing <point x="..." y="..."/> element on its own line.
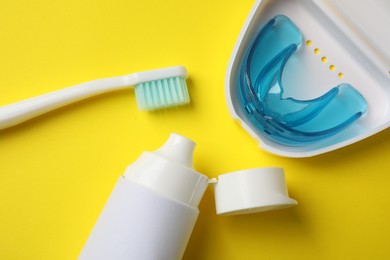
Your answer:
<point x="310" y="77"/>
<point x="287" y="120"/>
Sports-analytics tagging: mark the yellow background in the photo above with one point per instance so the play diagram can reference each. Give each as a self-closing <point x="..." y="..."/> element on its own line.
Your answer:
<point x="57" y="171"/>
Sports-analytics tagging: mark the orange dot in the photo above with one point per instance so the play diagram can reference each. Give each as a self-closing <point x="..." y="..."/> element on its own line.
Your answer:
<point x="316" y="51"/>
<point x="308" y="43"/>
<point x="324" y="59"/>
<point x="332" y="67"/>
<point x="341" y="75"/>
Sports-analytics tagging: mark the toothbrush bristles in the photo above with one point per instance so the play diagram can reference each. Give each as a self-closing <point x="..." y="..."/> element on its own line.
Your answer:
<point x="163" y="93"/>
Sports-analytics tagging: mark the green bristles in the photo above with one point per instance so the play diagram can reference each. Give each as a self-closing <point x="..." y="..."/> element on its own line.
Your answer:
<point x="162" y="93"/>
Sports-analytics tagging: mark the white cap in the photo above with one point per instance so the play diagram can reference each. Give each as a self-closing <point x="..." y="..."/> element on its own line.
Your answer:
<point x="250" y="191"/>
<point x="169" y="172"/>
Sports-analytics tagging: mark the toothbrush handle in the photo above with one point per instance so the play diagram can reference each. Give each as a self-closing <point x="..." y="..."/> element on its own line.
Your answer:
<point x="19" y="112"/>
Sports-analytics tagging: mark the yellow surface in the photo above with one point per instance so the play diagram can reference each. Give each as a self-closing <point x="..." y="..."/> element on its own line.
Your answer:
<point x="57" y="171"/>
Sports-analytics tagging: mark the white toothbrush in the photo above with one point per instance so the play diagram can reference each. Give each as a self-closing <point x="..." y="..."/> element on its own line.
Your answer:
<point x="154" y="89"/>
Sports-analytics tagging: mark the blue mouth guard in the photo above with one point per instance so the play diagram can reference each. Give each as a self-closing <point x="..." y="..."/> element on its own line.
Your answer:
<point x="289" y="121"/>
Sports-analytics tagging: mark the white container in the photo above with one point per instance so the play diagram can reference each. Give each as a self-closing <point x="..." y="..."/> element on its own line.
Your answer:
<point x="152" y="209"/>
<point x="353" y="36"/>
<point x="154" y="205"/>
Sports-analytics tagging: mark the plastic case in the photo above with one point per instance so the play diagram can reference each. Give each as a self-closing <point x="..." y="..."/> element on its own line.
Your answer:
<point x="347" y="42"/>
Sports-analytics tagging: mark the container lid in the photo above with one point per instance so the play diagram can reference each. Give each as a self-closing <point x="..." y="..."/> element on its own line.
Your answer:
<point x="251" y="191"/>
<point x="366" y="22"/>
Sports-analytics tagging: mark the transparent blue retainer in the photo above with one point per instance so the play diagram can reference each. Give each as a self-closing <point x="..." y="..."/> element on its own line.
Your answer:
<point x="289" y="121"/>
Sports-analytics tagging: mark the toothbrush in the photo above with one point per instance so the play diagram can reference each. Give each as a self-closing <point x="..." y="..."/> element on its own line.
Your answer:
<point x="154" y="89"/>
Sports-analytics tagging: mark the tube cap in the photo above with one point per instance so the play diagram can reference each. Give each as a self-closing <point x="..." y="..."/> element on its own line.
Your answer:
<point x="250" y="191"/>
<point x="169" y="171"/>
